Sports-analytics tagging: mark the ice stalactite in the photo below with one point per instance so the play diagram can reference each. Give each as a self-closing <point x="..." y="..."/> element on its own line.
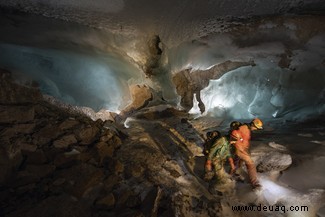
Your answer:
<point x="157" y="71"/>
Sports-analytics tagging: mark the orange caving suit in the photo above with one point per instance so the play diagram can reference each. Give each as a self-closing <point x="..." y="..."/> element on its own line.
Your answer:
<point x="242" y="138"/>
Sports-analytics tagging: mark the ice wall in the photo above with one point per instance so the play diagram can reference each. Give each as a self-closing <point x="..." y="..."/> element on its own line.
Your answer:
<point x="93" y="67"/>
<point x="265" y="90"/>
<point x="96" y="81"/>
<point x="269" y="89"/>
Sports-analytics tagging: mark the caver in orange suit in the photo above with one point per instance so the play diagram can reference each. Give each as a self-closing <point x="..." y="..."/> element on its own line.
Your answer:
<point x="240" y="138"/>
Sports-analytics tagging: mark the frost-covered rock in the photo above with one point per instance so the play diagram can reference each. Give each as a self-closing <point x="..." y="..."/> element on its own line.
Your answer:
<point x="272" y="157"/>
<point x="274" y="161"/>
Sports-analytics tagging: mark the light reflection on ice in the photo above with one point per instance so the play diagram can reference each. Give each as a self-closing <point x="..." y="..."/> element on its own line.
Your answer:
<point x="296" y="203"/>
<point x="273" y="192"/>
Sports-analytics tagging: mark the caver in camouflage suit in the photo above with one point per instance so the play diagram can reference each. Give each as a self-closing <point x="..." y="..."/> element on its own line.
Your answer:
<point x="219" y="152"/>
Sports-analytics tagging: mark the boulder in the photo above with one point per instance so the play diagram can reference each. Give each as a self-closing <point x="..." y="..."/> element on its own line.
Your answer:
<point x="13" y="93"/>
<point x="65" y="141"/>
<point x="11" y="159"/>
<point x="29" y="147"/>
<point x="46" y="135"/>
<point x="135" y="171"/>
<point x="274" y="161"/>
<point x="87" y="183"/>
<point x="64" y="160"/>
<point x="107" y="136"/>
<point x="115" y="166"/>
<point x="87" y="135"/>
<point x="19" y="129"/>
<point x="16" y="114"/>
<point x="104" y="150"/>
<point x="141" y="95"/>
<point x="271" y="157"/>
<point x="59" y="181"/>
<point x="110" y="182"/>
<point x="31" y="175"/>
<point x="106" y="202"/>
<point x="123" y="197"/>
<point x="68" y="124"/>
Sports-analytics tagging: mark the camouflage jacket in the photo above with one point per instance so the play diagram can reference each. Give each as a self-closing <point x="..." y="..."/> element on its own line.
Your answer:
<point x="220" y="149"/>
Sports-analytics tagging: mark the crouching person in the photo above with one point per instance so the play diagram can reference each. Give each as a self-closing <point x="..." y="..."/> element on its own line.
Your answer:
<point x="218" y="154"/>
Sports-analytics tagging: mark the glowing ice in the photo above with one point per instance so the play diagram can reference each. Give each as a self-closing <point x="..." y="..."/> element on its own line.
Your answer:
<point x="94" y="81"/>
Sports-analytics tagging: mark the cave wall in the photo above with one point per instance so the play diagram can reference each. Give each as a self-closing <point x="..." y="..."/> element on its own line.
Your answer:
<point x="94" y="65"/>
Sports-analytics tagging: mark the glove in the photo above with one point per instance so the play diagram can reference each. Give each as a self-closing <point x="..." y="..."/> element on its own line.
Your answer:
<point x="208" y="176"/>
<point x="208" y="166"/>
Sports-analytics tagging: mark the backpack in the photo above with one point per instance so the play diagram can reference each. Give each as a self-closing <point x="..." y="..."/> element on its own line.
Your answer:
<point x="209" y="142"/>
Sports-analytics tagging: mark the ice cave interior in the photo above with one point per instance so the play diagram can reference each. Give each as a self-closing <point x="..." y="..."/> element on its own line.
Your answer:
<point x="90" y="58"/>
<point x="226" y="60"/>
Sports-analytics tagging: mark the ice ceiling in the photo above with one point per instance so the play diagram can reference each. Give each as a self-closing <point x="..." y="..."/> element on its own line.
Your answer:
<point x="88" y="52"/>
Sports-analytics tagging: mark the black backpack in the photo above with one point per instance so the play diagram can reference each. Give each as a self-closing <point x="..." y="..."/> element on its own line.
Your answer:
<point x="209" y="142"/>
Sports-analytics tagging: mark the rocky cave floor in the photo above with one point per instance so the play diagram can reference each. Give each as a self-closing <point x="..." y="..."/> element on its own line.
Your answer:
<point x="56" y="162"/>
